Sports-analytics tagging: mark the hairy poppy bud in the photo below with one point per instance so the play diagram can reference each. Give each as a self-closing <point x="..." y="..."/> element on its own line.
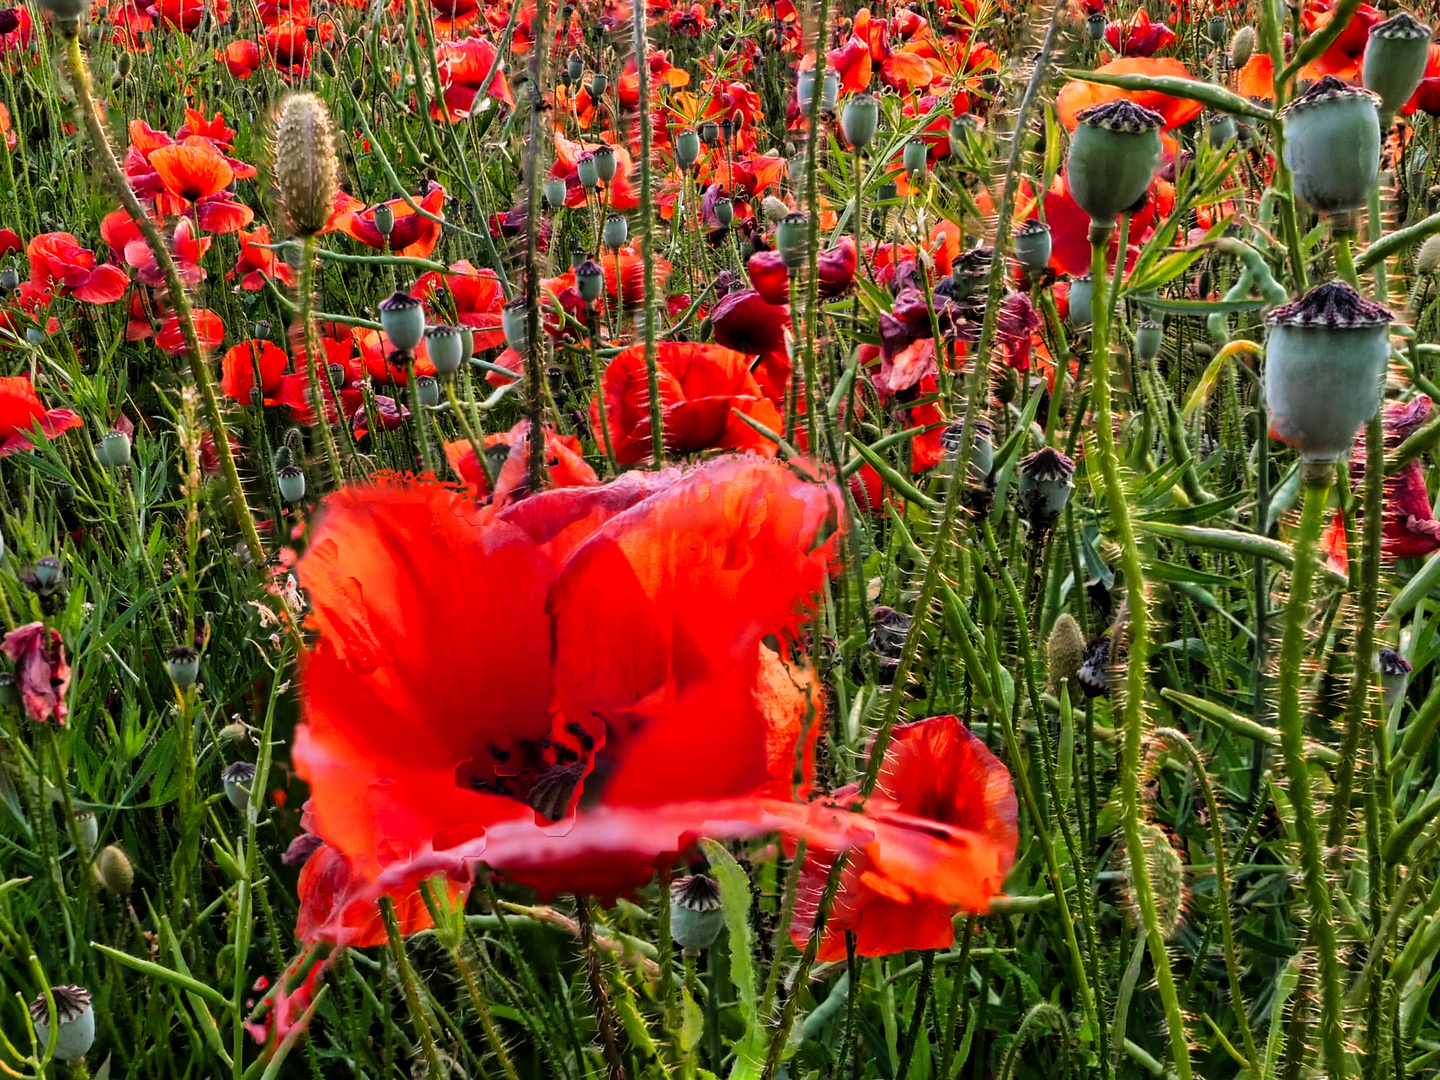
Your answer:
<point x="183" y="665"/>
<point x="402" y="318"/>
<point x="1242" y="46"/>
<point x="1082" y="291"/>
<point x="589" y="280"/>
<point x="1113" y="155"/>
<point x="860" y="120"/>
<point x="1427" y="259"/>
<point x="1394" y="674"/>
<point x="445" y="345"/>
<point x="238" y="779"/>
<point x="1064" y="653"/>
<point x="587" y="171"/>
<point x="915" y="158"/>
<point x="604" y="163"/>
<point x="1032" y="247"/>
<point x="384" y="219"/>
<point x="113" y="870"/>
<point x="1332" y="145"/>
<point x="1149" y="336"/>
<point x="427" y="391"/>
<point x="696" y="912"/>
<point x="1167" y="880"/>
<point x="114" y="449"/>
<point x="687" y="148"/>
<point x="514" y="321"/>
<point x="1395" y="58"/>
<point x="1046" y="480"/>
<point x="554" y="192"/>
<point x="306" y="169"/>
<point x="1325" y="369"/>
<point x="616" y="231"/>
<point x="792" y="240"/>
<point x="73" y="1015"/>
<point x="291" y="481"/>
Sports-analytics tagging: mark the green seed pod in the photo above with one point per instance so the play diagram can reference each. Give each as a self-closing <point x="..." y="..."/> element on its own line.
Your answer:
<point x="1113" y="155"/>
<point x="1046" y="480"/>
<point x="1064" y="653"/>
<point x="1394" y="675"/>
<point x="1216" y="29"/>
<point x="915" y="157"/>
<point x="604" y="163"/>
<point x="89" y="829"/>
<point x="114" y="450"/>
<point x="589" y="280"/>
<point x="427" y="391"/>
<point x="575" y="66"/>
<point x="1242" y="46"/>
<point x="402" y="318"/>
<point x="113" y="870"/>
<point x="76" y="1019"/>
<point x="1325" y="369"/>
<point x="687" y="148"/>
<point x="1332" y="145"/>
<point x="307" y="171"/>
<point x="1395" y="57"/>
<point x="1095" y="27"/>
<point x="696" y="912"/>
<point x="587" y="171"/>
<point x="725" y="212"/>
<point x="1032" y="247"/>
<point x="183" y="666"/>
<point x="805" y="90"/>
<point x="291" y="481"/>
<point x="238" y="780"/>
<point x="514" y="321"/>
<point x="860" y="120"/>
<point x="616" y="231"/>
<point x="1082" y="291"/>
<point x="445" y="345"/>
<point x="598" y="84"/>
<point x="792" y="239"/>
<point x="554" y="192"/>
<point x="1149" y="336"/>
<point x="710" y="133"/>
<point x="1220" y="130"/>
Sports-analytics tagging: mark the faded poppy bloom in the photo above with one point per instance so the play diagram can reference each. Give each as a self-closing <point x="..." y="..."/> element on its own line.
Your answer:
<point x="941" y="792"/>
<point x="41" y="674"/>
<point x="507" y="452"/>
<point x="624" y="633"/>
<point x="701" y="389"/>
<point x="21" y="410"/>
<point x="240" y="363"/>
<point x="414" y="234"/>
<point x="1016" y="326"/>
<point x="58" y="262"/>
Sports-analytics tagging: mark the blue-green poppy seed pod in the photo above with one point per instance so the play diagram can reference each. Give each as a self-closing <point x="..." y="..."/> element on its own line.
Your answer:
<point x="604" y="163"/>
<point x="427" y="391"/>
<point x="971" y="271"/>
<point x="889" y="191"/>
<point x="805" y="90"/>
<point x="589" y="280"/>
<point x="514" y="322"/>
<point x="384" y="219"/>
<point x="1332" y="145"/>
<point x="697" y="912"/>
<point x="792" y="239"/>
<point x="575" y="66"/>
<point x="1149" y="336"/>
<point x="1046" y="479"/>
<point x="916" y="158"/>
<point x="1095" y="27"/>
<point x="1217" y="30"/>
<point x="238" y="779"/>
<point x="291" y="481"/>
<point x="445" y="345"/>
<point x="617" y="231"/>
<point x="687" y="148"/>
<point x="1220" y="129"/>
<point x="587" y="171"/>
<point x="1082" y="292"/>
<point x="9" y="279"/>
<point x="402" y="318"/>
<point x="554" y="192"/>
<point x="1394" y="674"/>
<point x="962" y="130"/>
<point x="1113" y="155"/>
<point x="724" y="212"/>
<point x="74" y="1016"/>
<point x="182" y="664"/>
<point x="598" y="83"/>
<point x="982" y="449"/>
<point x="860" y="119"/>
<point x="467" y="338"/>
<point x="113" y="450"/>
<point x="47" y="574"/>
<point x="88" y="826"/>
<point x="710" y="133"/>
<point x="1395" y="57"/>
<point x="1325" y="369"/>
<point x="1032" y="247"/>
<point x="796" y="169"/>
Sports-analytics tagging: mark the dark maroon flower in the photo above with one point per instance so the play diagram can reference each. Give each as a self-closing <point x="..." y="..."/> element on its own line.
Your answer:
<point x="41" y="673"/>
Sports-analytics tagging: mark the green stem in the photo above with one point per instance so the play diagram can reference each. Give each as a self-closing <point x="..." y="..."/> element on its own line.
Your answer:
<point x="314" y="358"/>
<point x="534" y="335"/>
<point x="647" y="241"/>
<point x="411" y="989"/>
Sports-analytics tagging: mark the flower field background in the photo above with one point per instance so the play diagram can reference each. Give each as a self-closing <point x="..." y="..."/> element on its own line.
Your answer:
<point x="740" y="540"/>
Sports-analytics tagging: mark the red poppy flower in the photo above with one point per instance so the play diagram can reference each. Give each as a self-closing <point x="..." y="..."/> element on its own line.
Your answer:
<point x="213" y="128"/>
<point x="242" y="58"/>
<point x="701" y="389"/>
<point x="940" y="791"/>
<point x="662" y="74"/>
<point x="852" y="61"/>
<point x="467" y="296"/>
<point x="293" y="393"/>
<point x="743" y="321"/>
<point x="1075" y="97"/>
<point x="565" y="464"/>
<point x="58" y="261"/>
<point x="185" y="246"/>
<point x="21" y="409"/>
<point x="192" y="170"/>
<point x="1138" y="36"/>
<point x="390" y="414"/>
<point x="41" y="674"/>
<point x="185" y="15"/>
<point x="239" y="364"/>
<point x="619" y="193"/>
<point x="633" y="615"/>
<point x="463" y="66"/>
<point x="208" y="327"/>
<point x="1342" y="58"/>
<point x="10" y="241"/>
<point x="452" y="15"/>
<point x="1070" y="226"/>
<point x="256" y="263"/>
<point x="625" y="275"/>
<point x="414" y="234"/>
<point x="11" y="139"/>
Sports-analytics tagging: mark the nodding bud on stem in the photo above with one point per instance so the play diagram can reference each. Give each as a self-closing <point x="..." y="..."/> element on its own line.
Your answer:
<point x="306" y="170"/>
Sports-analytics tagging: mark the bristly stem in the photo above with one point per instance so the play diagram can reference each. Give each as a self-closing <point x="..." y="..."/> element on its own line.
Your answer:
<point x="1133" y="723"/>
<point x="410" y="986"/>
<point x="599" y="995"/>
<point x="812" y="209"/>
<point x="194" y="353"/>
<point x="314" y="358"/>
<point x="647" y="240"/>
<point x="1292" y="745"/>
<point x="534" y="331"/>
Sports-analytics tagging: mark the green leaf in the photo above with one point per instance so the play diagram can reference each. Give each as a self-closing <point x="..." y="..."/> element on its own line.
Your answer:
<point x="692" y="1023"/>
<point x="1231" y="540"/>
<point x="735" y="896"/>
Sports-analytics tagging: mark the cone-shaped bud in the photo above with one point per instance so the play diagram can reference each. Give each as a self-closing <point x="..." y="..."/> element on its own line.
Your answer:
<point x="238" y="779"/>
<point x="291" y="481"/>
<point x="384" y="219"/>
<point x="587" y="171"/>
<point x="1032" y="247"/>
<point x="75" y="1019"/>
<point x="1332" y="145"/>
<point x="604" y="163"/>
<point x="1325" y="369"/>
<point x="1113" y="155"/>
<point x="1427" y="259"/>
<point x="696" y="912"/>
<point x="1064" y="653"/>
<point x="183" y="664"/>
<point x="1082" y="291"/>
<point x="860" y="119"/>
<point x="114" y="450"/>
<point x="307" y="172"/>
<point x="687" y="148"/>
<point x="514" y="321"/>
<point x="1395" y="59"/>
<point x="616" y="232"/>
<point x="402" y="318"/>
<point x="915" y="157"/>
<point x="1149" y="336"/>
<point x="792" y="240"/>
<point x="445" y="345"/>
<point x="589" y="280"/>
<point x="113" y="870"/>
<point x="1046" y="480"/>
<point x="1394" y="675"/>
<point x="554" y="192"/>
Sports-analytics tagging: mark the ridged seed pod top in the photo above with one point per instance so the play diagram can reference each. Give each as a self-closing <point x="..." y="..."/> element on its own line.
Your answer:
<point x="1332" y="145"/>
<point x="1395" y="59"/>
<point x="1113" y="155"/>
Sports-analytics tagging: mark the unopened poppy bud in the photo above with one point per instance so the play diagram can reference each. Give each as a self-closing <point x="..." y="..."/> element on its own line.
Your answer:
<point x="1427" y="259"/>
<point x="575" y="66"/>
<point x="1394" y="675"/>
<point x="402" y="318"/>
<point x="774" y="209"/>
<point x="860" y="120"/>
<point x="1095" y="27"/>
<point x="915" y="158"/>
<point x="604" y="163"/>
<point x="587" y="171"/>
<point x="89" y="828"/>
<point x="1033" y="244"/>
<point x="113" y="870"/>
<point x="113" y="450"/>
<point x="1046" y="480"/>
<point x="307" y="171"/>
<point x="687" y="148"/>
<point x="616" y="231"/>
<point x="291" y="482"/>
<point x="1112" y="160"/>
<point x="445" y="345"/>
<point x="183" y="665"/>
<point x="598" y="83"/>
<point x="696" y="912"/>
<point x="384" y="219"/>
<point x="514" y="321"/>
<point x="427" y="391"/>
<point x="74" y="1017"/>
<point x="1395" y="58"/>
<point x="554" y="192"/>
<point x="1242" y="46"/>
<point x="238" y="779"/>
<point x="1149" y="336"/>
<point x="589" y="280"/>
<point x="1082" y="291"/>
<point x="233" y="733"/>
<point x="1064" y="653"/>
<point x="792" y="240"/>
<point x="1332" y="145"/>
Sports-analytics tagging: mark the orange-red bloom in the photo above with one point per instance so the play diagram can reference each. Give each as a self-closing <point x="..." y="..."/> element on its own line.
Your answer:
<point x="240" y="363"/>
<point x="466" y="296"/>
<point x="1139" y="36"/>
<point x="257" y="263"/>
<point x="508" y="454"/>
<point x="414" y="234"/>
<point x="21" y="409"/>
<point x="192" y="169"/>
<point x="58" y="261"/>
<point x="1075" y="97"/>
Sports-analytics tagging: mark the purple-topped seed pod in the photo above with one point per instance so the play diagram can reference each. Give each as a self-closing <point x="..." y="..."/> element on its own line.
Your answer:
<point x="1325" y="369"/>
<point x="1394" y="674"/>
<point x="1032" y="247"/>
<point x="860" y="119"/>
<point x="604" y="162"/>
<point x="445" y="345"/>
<point x="1332" y="145"/>
<point x="687" y="148"/>
<point x="402" y="318"/>
<point x="1046" y="479"/>
<point x="1395" y="58"/>
<point x="589" y="280"/>
<point x="1113" y="155"/>
<point x="75" y="1017"/>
